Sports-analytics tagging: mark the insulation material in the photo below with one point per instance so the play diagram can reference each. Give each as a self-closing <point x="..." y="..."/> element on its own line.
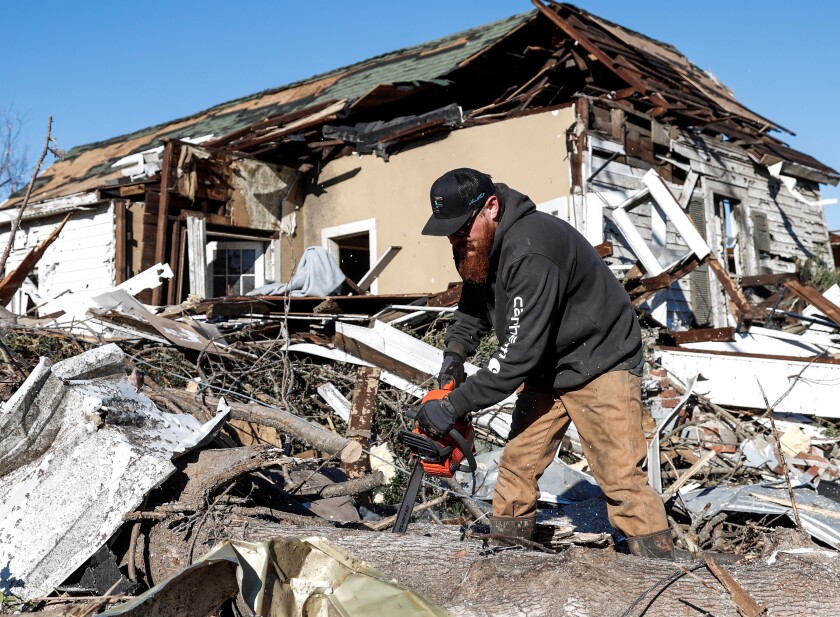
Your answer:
<point x="80" y="447"/>
<point x="258" y="193"/>
<point x="286" y="577"/>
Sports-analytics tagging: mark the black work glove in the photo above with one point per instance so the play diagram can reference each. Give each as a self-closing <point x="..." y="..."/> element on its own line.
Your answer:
<point x="437" y="417"/>
<point x="452" y="369"/>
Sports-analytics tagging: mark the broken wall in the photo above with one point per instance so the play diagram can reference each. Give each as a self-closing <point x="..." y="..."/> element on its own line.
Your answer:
<point x="81" y="259"/>
<point x="390" y="199"/>
<point x="751" y="221"/>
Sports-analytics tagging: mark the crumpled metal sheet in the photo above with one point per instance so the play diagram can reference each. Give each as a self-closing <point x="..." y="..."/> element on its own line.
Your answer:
<point x="709" y="501"/>
<point x="560" y="484"/>
<point x="79" y="448"/>
<point x="286" y="577"/>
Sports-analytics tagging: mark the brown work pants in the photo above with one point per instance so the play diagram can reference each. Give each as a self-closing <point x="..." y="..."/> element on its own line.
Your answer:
<point x="608" y="415"/>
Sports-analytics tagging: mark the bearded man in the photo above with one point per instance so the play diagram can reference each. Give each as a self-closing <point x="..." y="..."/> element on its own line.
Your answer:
<point x="568" y="335"/>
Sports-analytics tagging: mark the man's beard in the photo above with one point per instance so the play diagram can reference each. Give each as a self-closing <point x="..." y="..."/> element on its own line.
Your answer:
<point x="473" y="260"/>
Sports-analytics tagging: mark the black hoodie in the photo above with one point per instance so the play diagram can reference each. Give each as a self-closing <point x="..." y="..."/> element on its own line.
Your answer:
<point x="561" y="316"/>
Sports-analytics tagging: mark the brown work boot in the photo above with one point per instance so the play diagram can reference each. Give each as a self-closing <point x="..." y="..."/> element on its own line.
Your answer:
<point x="658" y="545"/>
<point x="512" y="530"/>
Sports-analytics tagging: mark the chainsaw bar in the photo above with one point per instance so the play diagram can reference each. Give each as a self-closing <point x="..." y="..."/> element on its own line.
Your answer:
<point x="407" y="505"/>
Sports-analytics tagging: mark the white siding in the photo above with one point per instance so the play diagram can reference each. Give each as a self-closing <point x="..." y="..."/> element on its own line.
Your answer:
<point x="80" y="260"/>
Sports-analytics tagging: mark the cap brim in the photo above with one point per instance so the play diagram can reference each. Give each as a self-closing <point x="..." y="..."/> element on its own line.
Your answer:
<point x="445" y="227"/>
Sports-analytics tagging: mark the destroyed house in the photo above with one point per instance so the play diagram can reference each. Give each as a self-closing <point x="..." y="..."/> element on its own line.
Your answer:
<point x="616" y="133"/>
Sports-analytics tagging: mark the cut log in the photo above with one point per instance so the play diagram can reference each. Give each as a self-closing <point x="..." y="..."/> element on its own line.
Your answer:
<point x="465" y="578"/>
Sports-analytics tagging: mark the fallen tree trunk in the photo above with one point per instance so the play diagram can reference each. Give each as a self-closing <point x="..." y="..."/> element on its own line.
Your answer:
<point x="466" y="579"/>
<point x="308" y="432"/>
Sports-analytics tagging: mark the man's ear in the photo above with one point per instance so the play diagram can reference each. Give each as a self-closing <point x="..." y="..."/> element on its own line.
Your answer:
<point x="492" y="207"/>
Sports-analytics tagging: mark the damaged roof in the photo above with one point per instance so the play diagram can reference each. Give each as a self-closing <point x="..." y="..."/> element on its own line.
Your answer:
<point x="545" y="57"/>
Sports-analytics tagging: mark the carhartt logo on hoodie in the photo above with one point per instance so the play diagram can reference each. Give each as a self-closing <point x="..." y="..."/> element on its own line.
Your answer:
<point x="513" y="328"/>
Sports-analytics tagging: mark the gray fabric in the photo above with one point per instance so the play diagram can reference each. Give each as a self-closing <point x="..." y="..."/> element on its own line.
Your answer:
<point x="317" y="274"/>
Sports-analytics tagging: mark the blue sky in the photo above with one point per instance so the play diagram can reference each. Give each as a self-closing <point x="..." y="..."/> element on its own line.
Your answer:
<point x="103" y="69"/>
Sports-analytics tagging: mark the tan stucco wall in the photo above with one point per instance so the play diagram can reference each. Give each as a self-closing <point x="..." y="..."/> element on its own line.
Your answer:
<point x="528" y="154"/>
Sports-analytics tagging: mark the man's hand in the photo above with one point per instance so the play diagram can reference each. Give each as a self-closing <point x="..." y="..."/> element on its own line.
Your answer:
<point x="452" y="370"/>
<point x="437" y="417"/>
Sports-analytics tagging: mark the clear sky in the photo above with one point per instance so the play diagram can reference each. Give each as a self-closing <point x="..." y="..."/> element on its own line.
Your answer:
<point x="103" y="69"/>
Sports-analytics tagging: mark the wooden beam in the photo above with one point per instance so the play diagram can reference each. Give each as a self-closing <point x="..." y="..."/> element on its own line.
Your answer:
<point x="605" y="249"/>
<point x="14" y="279"/>
<point x="174" y="262"/>
<point x="371" y="275"/>
<point x="814" y="297"/>
<point x="120" y="242"/>
<point x="736" y="296"/>
<point x="361" y="418"/>
<point x="644" y="288"/>
<point x="448" y="297"/>
<point x="703" y="335"/>
<point x="363" y="352"/>
<point x="162" y="217"/>
<point x="767" y="279"/>
<point x="213" y="219"/>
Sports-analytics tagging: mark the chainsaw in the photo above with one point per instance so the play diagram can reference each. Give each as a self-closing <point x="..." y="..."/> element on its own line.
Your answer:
<point x="434" y="456"/>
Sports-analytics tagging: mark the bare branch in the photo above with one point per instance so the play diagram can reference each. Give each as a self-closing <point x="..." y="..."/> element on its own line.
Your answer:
<point x="16" y="222"/>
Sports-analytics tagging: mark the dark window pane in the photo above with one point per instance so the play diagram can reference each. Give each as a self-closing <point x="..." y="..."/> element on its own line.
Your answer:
<point x="249" y="258"/>
<point x="234" y="261"/>
<point x="219" y="286"/>
<point x="219" y="263"/>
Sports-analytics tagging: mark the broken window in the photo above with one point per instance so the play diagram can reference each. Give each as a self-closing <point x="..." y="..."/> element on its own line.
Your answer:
<point x="728" y="212"/>
<point x="354" y="255"/>
<point x="352" y="245"/>
<point x="658" y="255"/>
<point x="235" y="268"/>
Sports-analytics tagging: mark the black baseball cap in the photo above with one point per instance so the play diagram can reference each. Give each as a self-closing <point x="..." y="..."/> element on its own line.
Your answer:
<point x="455" y="196"/>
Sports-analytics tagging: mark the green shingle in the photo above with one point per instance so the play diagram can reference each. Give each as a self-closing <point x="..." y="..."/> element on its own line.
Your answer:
<point x="412" y="64"/>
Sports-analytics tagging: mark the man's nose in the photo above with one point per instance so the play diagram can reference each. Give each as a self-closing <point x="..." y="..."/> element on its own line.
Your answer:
<point x="456" y="240"/>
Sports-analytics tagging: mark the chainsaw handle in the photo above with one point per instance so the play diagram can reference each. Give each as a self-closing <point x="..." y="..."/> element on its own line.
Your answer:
<point x="458" y="438"/>
<point x="432" y="395"/>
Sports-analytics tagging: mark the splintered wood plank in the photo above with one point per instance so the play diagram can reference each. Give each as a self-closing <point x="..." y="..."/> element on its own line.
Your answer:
<point x="605" y="249"/>
<point x="361" y="418"/>
<point x="813" y="296"/>
<point x="767" y="279"/>
<point x="14" y="279"/>
<point x="446" y="298"/>
<point x="645" y="288"/>
<point x="162" y="216"/>
<point x="363" y="352"/>
<point x="704" y="335"/>
<point x="732" y="290"/>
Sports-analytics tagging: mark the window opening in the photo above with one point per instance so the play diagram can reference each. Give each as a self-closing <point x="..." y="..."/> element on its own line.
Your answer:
<point x="727" y="213"/>
<point x="354" y="255"/>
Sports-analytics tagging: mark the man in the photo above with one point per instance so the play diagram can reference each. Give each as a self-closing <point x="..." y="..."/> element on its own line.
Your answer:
<point x="567" y="331"/>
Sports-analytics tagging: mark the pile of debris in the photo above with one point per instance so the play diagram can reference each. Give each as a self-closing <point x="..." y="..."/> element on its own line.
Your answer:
<point x="134" y="439"/>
